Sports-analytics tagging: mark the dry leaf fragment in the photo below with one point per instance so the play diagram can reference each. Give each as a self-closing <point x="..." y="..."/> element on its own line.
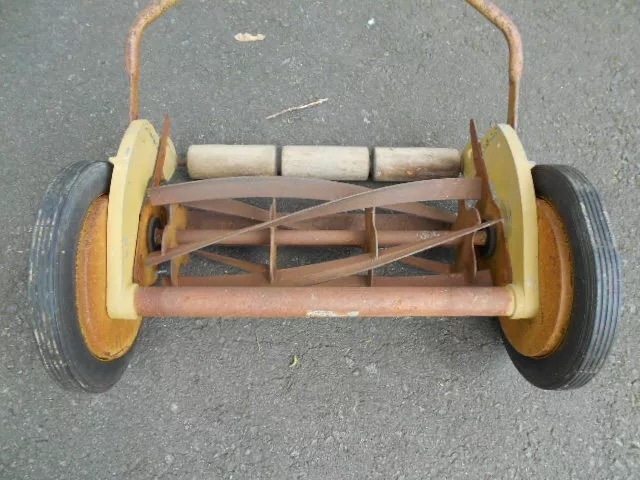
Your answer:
<point x="294" y="361"/>
<point x="248" y="37"/>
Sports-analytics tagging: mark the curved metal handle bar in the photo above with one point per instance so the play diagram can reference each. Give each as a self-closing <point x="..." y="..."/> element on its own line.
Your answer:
<point x="487" y="8"/>
<point x="516" y="53"/>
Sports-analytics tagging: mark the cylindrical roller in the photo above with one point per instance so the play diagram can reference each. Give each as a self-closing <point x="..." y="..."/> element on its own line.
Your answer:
<point x="215" y="161"/>
<point x="332" y="163"/>
<point x="407" y="164"/>
<point x="279" y="302"/>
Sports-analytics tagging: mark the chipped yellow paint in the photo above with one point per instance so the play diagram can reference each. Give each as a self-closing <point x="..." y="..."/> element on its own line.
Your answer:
<point x="132" y="169"/>
<point x="511" y="183"/>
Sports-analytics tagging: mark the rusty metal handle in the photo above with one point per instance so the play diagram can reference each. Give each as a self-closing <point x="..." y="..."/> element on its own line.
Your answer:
<point x="145" y="18"/>
<point x="516" y="55"/>
<point x="487" y="8"/>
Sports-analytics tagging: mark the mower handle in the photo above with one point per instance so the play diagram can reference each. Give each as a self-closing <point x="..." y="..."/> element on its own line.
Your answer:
<point x="486" y="7"/>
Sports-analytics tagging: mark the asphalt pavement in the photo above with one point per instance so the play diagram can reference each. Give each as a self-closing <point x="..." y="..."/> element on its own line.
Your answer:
<point x="404" y="398"/>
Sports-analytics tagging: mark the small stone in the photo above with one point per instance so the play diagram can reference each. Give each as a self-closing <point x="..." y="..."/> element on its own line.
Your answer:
<point x="356" y="372"/>
<point x="169" y="459"/>
<point x="174" y="407"/>
<point x="371" y="22"/>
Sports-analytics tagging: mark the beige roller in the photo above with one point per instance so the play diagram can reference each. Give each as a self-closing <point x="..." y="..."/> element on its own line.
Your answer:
<point x="214" y="161"/>
<point x="407" y="164"/>
<point x="333" y="163"/>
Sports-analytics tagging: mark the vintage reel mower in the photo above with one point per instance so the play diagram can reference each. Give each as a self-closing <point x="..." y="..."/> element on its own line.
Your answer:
<point x="528" y="244"/>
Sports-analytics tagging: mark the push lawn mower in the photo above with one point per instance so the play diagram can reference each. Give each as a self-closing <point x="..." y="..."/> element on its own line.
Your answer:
<point x="115" y="241"/>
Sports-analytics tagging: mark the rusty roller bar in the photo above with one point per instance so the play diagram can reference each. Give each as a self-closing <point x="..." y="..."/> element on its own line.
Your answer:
<point x="278" y="302"/>
<point x="324" y="238"/>
<point x="207" y="220"/>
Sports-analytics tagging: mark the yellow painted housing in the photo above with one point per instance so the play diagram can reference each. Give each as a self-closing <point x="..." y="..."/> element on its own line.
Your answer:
<point x="132" y="169"/>
<point x="511" y="183"/>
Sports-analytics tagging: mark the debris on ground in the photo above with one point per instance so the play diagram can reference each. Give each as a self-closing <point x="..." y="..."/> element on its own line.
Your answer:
<point x="299" y="107"/>
<point x="294" y="361"/>
<point x="248" y="37"/>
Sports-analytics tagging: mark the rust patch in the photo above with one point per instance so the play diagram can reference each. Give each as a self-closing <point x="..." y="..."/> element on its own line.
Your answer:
<point x="541" y="335"/>
<point x="105" y="337"/>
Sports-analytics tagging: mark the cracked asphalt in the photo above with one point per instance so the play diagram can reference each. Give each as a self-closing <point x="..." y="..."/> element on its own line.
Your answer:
<point x="370" y="398"/>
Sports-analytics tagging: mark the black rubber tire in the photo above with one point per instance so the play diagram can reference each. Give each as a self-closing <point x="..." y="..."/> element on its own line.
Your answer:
<point x="596" y="278"/>
<point x="52" y="280"/>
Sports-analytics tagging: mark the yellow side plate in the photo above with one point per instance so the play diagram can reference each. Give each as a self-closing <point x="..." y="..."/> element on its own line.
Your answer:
<point x="132" y="169"/>
<point x="511" y="183"/>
